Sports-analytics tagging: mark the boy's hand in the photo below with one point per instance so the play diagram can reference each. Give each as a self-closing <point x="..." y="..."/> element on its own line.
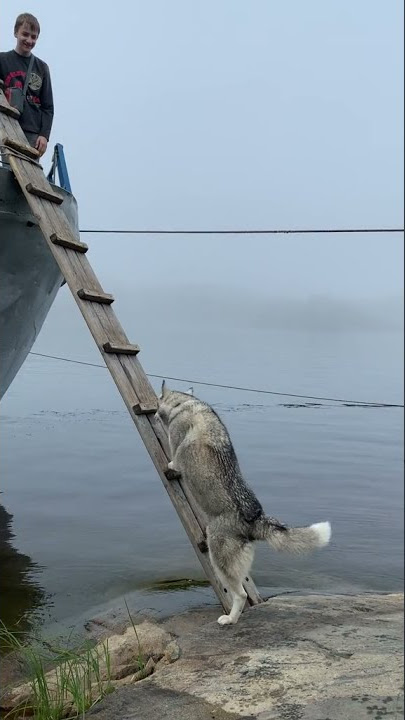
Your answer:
<point x="41" y="144"/>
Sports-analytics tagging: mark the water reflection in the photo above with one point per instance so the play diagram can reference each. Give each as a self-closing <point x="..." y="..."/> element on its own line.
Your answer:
<point x="22" y="598"/>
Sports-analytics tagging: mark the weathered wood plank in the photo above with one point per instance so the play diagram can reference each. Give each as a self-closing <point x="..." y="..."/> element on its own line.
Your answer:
<point x="92" y="296"/>
<point x="10" y="128"/>
<point x="138" y="379"/>
<point x="69" y="243"/>
<point x="45" y="194"/>
<point x="136" y="376"/>
<point x="154" y="446"/>
<point x="126" y="371"/>
<point x="193" y="528"/>
<point x="142" y="409"/>
<point x="22" y="148"/>
<point x="121" y="349"/>
<point x="6" y="109"/>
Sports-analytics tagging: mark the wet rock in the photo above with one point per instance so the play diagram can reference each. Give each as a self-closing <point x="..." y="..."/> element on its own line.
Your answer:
<point x="172" y="652"/>
<point x="148" y="640"/>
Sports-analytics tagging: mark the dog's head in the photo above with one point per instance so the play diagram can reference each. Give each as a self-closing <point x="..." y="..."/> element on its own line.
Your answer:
<point x="169" y="400"/>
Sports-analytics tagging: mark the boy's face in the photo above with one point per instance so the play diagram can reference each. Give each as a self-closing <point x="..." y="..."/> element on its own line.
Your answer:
<point x="26" y="39"/>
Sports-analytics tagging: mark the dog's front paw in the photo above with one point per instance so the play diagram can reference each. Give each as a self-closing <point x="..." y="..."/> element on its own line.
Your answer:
<point x="172" y="474"/>
<point x="225" y="620"/>
<point x="202" y="546"/>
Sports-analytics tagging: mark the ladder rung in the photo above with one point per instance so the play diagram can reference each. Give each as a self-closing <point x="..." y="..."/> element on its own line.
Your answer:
<point x="22" y="148"/>
<point x="8" y="110"/>
<point x="121" y="349"/>
<point x="45" y="194"/>
<point x="68" y="243"/>
<point x="103" y="298"/>
<point x="144" y="408"/>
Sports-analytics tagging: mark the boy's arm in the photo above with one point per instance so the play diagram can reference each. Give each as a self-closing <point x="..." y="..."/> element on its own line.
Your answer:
<point x="46" y="106"/>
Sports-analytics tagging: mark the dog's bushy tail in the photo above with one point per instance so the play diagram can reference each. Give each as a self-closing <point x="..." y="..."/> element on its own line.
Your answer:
<point x="297" y="540"/>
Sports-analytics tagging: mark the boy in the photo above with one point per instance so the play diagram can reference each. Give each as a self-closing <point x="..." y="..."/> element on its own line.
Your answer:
<point x="37" y="115"/>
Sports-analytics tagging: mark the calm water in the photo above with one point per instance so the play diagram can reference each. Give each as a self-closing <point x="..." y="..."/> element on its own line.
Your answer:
<point x="92" y="522"/>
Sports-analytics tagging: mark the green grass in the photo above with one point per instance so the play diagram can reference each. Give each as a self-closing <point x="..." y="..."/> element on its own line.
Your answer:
<point x="141" y="659"/>
<point x="77" y="682"/>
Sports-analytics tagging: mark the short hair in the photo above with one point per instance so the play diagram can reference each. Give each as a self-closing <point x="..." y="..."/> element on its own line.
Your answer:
<point x="30" y="20"/>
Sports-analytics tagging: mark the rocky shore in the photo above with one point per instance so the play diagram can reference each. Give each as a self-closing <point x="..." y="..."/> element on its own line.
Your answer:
<point x="312" y="657"/>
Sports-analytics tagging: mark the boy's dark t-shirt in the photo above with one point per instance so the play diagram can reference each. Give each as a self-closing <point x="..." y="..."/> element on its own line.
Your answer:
<point x="37" y="115"/>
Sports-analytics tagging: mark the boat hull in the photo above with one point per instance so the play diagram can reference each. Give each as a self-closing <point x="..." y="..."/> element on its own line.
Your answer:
<point x="29" y="275"/>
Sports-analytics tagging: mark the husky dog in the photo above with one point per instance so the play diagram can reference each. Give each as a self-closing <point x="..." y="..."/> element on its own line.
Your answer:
<point x="202" y="452"/>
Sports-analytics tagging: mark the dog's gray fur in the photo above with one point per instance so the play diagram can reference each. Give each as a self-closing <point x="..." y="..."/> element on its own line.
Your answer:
<point x="202" y="452"/>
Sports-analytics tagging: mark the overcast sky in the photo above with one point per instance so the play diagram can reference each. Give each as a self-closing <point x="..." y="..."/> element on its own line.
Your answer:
<point x="230" y="114"/>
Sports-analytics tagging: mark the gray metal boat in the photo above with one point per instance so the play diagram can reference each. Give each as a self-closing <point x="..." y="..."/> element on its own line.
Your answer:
<point x="29" y="275"/>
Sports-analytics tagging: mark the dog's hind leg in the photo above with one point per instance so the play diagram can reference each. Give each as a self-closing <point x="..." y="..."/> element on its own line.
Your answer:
<point x="232" y="558"/>
<point x="238" y="603"/>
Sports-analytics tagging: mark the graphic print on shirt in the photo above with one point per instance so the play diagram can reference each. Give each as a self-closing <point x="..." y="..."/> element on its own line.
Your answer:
<point x="16" y="79"/>
<point x="35" y="82"/>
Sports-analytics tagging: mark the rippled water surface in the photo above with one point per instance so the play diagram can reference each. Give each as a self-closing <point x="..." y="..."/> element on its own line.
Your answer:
<point x="86" y="519"/>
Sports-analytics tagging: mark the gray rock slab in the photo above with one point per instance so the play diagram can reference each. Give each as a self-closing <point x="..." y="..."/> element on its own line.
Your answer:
<point x="291" y="658"/>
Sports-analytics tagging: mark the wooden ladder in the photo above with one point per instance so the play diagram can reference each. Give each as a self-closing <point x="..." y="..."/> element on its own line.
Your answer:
<point x="120" y="356"/>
